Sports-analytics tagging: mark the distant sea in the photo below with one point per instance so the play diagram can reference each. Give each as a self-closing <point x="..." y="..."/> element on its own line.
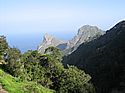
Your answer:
<point x="32" y="41"/>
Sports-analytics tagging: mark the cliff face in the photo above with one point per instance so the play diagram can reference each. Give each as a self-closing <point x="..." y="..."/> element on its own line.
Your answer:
<point x="85" y="34"/>
<point x="49" y="40"/>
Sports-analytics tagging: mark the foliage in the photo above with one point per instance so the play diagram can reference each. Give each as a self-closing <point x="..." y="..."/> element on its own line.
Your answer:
<point x="44" y="69"/>
<point x="13" y="61"/>
<point x="3" y="46"/>
<point x="14" y="85"/>
<point x="54" y="52"/>
<point x="54" y="69"/>
<point x="75" y="81"/>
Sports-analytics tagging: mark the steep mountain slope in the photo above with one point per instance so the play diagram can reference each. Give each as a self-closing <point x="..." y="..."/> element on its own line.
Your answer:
<point x="85" y="34"/>
<point x="104" y="60"/>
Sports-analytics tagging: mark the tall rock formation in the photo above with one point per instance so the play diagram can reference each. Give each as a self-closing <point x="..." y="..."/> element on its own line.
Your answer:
<point x="49" y="40"/>
<point x="85" y="34"/>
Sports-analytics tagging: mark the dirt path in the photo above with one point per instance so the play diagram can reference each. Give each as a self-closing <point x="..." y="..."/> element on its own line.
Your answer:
<point x="2" y="90"/>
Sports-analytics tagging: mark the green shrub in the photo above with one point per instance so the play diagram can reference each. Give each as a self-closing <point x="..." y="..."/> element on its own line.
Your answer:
<point x="14" y="85"/>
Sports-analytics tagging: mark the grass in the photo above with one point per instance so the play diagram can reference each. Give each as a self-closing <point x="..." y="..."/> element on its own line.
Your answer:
<point x="13" y="85"/>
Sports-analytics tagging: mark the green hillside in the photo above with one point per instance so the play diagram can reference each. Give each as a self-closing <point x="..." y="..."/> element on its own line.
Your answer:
<point x="14" y="85"/>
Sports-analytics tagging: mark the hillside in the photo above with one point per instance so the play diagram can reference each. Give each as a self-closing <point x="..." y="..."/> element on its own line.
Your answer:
<point x="34" y="72"/>
<point x="14" y="85"/>
<point x="103" y="59"/>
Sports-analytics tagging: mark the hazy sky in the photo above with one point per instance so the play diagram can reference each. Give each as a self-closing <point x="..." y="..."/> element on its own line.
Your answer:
<point x="24" y="22"/>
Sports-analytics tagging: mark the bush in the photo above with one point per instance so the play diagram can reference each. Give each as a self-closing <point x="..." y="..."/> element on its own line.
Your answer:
<point x="75" y="81"/>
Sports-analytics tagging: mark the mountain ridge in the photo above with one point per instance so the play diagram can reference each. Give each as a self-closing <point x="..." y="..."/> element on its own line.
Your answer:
<point x="85" y="34"/>
<point x="103" y="59"/>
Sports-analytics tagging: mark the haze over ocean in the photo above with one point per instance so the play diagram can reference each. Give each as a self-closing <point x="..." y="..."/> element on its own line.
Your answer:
<point x="24" y="22"/>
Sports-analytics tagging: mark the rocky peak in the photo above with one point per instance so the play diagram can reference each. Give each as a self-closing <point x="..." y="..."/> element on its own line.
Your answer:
<point x="88" y="29"/>
<point x="49" y="40"/>
<point x="85" y="34"/>
<point x="48" y="37"/>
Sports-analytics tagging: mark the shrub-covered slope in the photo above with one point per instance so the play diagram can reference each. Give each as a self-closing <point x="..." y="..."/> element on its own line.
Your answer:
<point x="14" y="85"/>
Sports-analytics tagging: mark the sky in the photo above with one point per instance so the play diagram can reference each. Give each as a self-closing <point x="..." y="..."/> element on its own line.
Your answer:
<point x="24" y="22"/>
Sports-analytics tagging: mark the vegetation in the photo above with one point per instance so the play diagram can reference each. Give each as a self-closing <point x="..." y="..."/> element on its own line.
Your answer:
<point x="33" y="72"/>
<point x="14" y="85"/>
<point x="75" y="81"/>
<point x="104" y="60"/>
<point x="46" y="70"/>
<point x="3" y="46"/>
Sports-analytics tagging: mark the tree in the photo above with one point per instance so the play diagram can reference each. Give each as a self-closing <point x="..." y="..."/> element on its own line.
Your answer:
<point x="47" y="70"/>
<point x="3" y="46"/>
<point x="54" y="52"/>
<point x="70" y="80"/>
<point x="52" y="69"/>
<point x="31" y="65"/>
<point x="13" y="65"/>
<point x="75" y="81"/>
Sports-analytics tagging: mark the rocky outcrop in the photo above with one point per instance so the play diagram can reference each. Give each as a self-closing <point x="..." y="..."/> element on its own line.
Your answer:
<point x="85" y="34"/>
<point x="49" y="40"/>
